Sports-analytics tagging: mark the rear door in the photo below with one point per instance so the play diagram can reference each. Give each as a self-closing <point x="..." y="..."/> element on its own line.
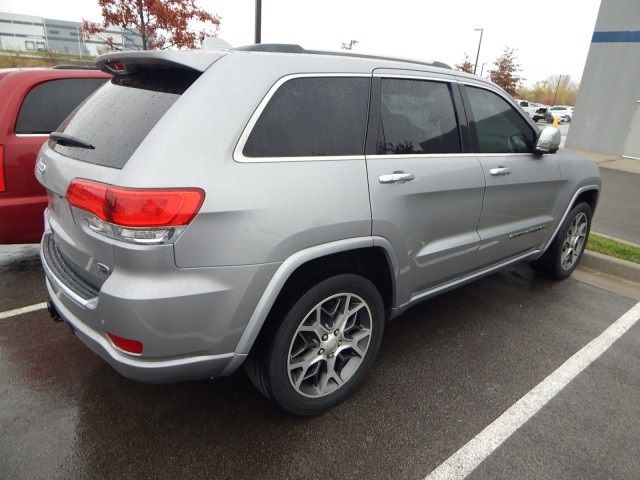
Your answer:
<point x="521" y="187"/>
<point x="426" y="194"/>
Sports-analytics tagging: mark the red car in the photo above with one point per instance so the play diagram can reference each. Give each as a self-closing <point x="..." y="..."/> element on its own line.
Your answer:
<point x="33" y="102"/>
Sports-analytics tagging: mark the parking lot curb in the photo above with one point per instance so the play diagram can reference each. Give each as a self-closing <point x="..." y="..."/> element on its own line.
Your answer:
<point x="619" y="240"/>
<point x="611" y="266"/>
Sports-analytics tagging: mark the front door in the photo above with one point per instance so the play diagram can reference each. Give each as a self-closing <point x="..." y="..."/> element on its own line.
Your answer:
<point x="521" y="187"/>
<point x="426" y="197"/>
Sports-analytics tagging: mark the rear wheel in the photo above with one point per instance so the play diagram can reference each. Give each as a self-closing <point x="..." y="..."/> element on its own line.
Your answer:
<point x="567" y="119"/>
<point x="565" y="252"/>
<point x="323" y="347"/>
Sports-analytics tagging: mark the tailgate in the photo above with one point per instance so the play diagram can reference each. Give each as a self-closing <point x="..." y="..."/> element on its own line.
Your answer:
<point x="82" y="249"/>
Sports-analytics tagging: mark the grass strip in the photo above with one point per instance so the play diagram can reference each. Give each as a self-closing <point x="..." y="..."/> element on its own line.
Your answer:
<point x="606" y="246"/>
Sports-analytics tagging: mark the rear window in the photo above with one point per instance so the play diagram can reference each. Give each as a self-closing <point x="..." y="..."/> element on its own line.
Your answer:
<point x="313" y="116"/>
<point x="117" y="118"/>
<point x="48" y="104"/>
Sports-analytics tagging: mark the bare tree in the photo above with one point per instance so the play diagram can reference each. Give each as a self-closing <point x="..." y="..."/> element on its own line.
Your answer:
<point x="349" y="45"/>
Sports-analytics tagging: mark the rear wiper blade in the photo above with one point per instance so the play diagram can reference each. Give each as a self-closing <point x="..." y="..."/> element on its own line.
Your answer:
<point x="69" y="140"/>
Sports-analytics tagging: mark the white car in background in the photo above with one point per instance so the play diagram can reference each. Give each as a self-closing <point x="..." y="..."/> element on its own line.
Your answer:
<point x="564" y="113"/>
<point x="529" y="107"/>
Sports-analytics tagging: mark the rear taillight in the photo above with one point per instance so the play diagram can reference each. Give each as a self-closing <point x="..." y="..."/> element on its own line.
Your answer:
<point x="137" y="215"/>
<point x="2" y="187"/>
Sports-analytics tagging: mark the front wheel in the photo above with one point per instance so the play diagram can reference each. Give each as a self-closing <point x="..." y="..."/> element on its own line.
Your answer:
<point x="323" y="347"/>
<point x="565" y="252"/>
<point x="567" y="119"/>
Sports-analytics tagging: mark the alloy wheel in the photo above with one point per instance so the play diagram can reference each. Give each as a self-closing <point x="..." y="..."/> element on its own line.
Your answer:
<point x="574" y="241"/>
<point x="329" y="345"/>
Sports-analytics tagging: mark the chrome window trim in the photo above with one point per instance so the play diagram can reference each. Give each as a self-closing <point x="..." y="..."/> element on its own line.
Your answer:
<point x="238" y="154"/>
<point x="31" y="134"/>
<point x="445" y="155"/>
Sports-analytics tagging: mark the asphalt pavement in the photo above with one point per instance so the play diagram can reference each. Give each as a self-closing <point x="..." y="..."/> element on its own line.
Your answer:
<point x="447" y="368"/>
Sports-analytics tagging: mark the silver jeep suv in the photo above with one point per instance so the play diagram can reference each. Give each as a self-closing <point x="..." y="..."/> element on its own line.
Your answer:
<point x="274" y="206"/>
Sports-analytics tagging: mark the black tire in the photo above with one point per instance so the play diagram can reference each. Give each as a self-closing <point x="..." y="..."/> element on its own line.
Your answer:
<point x="567" y="119"/>
<point x="549" y="264"/>
<point x="267" y="362"/>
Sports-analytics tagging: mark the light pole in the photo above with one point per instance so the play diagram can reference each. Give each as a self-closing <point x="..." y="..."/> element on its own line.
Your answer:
<point x="258" y="21"/>
<point x="557" y="87"/>
<point x="78" y="31"/>
<point x="475" y="66"/>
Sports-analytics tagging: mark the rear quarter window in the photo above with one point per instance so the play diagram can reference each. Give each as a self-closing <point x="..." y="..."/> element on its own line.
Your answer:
<point x="312" y="117"/>
<point x="48" y="104"/>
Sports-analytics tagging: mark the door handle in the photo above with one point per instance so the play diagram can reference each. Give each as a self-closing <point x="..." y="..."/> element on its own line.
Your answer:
<point x="500" y="171"/>
<point x="396" y="177"/>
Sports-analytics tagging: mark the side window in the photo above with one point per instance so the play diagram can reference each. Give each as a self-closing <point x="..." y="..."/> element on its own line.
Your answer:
<point x="48" y="104"/>
<point x="417" y="116"/>
<point x="313" y="116"/>
<point x="498" y="126"/>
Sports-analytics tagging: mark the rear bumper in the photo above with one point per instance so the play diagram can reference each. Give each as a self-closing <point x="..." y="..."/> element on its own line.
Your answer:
<point x="189" y="320"/>
<point x="148" y="371"/>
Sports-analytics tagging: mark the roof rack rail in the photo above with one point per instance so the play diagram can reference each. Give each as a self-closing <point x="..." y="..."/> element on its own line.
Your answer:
<point x="293" y="48"/>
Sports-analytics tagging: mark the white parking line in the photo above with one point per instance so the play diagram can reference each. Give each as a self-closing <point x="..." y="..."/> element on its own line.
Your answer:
<point x="20" y="311"/>
<point x="465" y="460"/>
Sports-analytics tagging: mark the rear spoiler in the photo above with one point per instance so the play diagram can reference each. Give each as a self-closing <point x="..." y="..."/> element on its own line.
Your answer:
<point x="130" y="61"/>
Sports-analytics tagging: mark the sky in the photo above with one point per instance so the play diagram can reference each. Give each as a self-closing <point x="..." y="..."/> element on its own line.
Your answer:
<point x="552" y="37"/>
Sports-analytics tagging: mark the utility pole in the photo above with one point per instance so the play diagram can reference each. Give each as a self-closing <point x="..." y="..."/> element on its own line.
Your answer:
<point x="79" y="33"/>
<point x="557" y="87"/>
<point x="475" y="66"/>
<point x="258" y="38"/>
<point x="482" y="69"/>
<point x="46" y="38"/>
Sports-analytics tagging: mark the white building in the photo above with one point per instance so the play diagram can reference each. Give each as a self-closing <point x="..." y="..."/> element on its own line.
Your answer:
<point x="607" y="113"/>
<point x="21" y="32"/>
<point x="30" y="33"/>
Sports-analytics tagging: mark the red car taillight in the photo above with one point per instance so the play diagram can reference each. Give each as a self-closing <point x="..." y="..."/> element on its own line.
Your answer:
<point x="140" y="215"/>
<point x="2" y="188"/>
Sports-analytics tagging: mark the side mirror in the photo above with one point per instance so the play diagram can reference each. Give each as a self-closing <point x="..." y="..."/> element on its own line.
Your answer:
<point x="549" y="140"/>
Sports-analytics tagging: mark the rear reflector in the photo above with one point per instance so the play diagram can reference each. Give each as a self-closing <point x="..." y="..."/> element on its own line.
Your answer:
<point x="136" y="207"/>
<point x="2" y="187"/>
<point x="126" y="344"/>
